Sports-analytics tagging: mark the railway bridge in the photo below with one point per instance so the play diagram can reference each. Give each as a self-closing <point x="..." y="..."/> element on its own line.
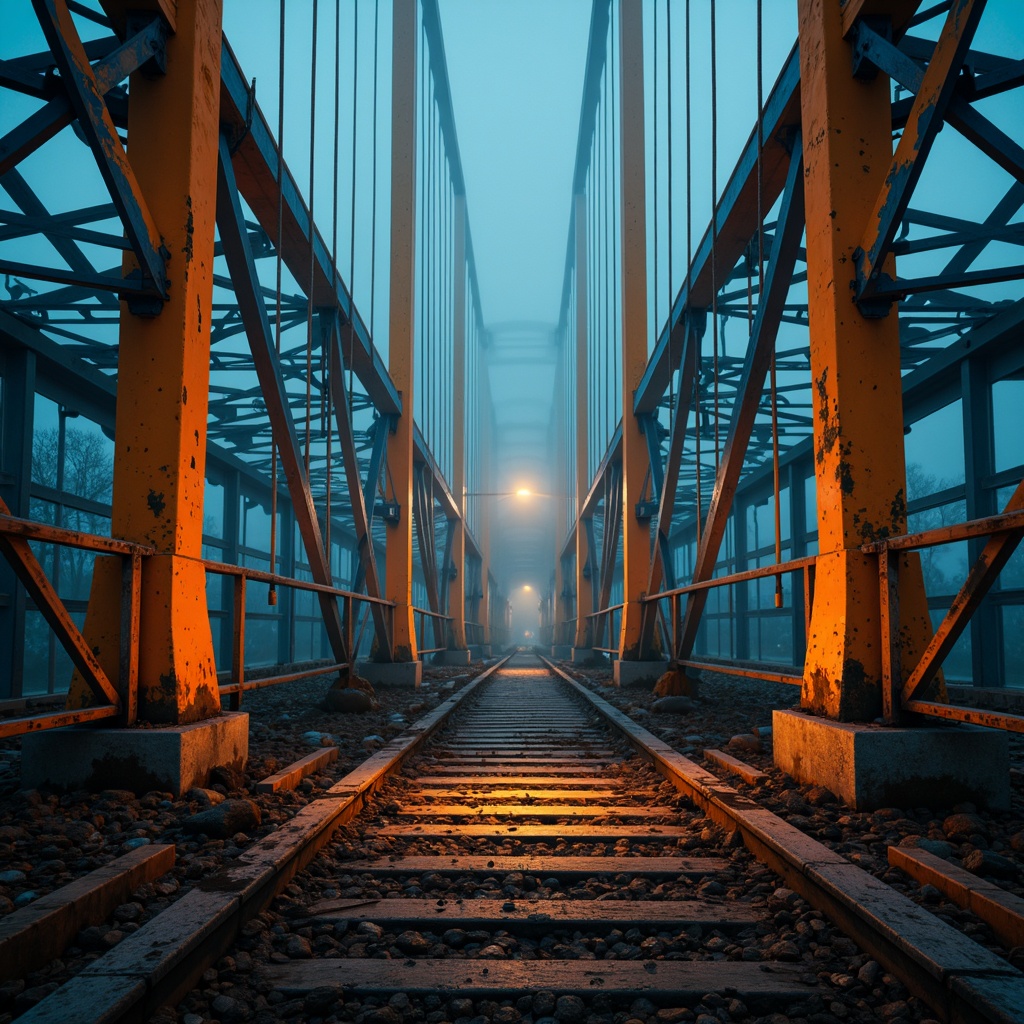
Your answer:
<point x="259" y="423"/>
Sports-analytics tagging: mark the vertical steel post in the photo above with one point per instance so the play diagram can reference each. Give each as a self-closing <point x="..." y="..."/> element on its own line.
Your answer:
<point x="855" y="368"/>
<point x="559" y="441"/>
<point x="457" y="584"/>
<point x="484" y="539"/>
<point x="17" y="410"/>
<point x="584" y="591"/>
<point x="402" y="333"/>
<point x="636" y="538"/>
<point x="163" y="387"/>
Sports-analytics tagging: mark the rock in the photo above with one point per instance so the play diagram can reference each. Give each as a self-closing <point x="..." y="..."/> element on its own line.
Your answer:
<point x="228" y="776"/>
<point x="938" y="847"/>
<point x="372" y="742"/>
<point x="676" y="683"/>
<point x="819" y="796"/>
<point x="206" y="797"/>
<point x="229" y="1009"/>
<point x="870" y="974"/>
<point x="12" y="877"/>
<point x="744" y="741"/>
<point x="298" y="948"/>
<point x="25" y="898"/>
<point x="224" y="820"/>
<point x="985" y="862"/>
<point x="315" y="738"/>
<point x="784" y="950"/>
<point x="134" y="844"/>
<point x="793" y="801"/>
<point x="679" y="705"/>
<point x="321" y="1001"/>
<point x="961" y="826"/>
<point x="543" y="1003"/>
<point x="1017" y="841"/>
<point x="570" y="1009"/>
<point x="348" y="700"/>
<point x="413" y="942"/>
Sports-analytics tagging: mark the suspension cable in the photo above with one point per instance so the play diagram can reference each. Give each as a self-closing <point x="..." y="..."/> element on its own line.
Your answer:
<point x="272" y="589"/>
<point x="352" y="215"/>
<point x="698" y="355"/>
<point x="312" y="235"/>
<point x="714" y="223"/>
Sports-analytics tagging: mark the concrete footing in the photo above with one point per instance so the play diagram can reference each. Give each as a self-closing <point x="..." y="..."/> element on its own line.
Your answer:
<point x="638" y="673"/>
<point x="452" y="657"/>
<point x="872" y="766"/>
<point x="582" y="655"/>
<point x="407" y="674"/>
<point x="561" y="652"/>
<point x="171" y="759"/>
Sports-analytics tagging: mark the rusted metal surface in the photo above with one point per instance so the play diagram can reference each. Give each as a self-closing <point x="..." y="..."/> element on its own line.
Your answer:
<point x="971" y="716"/>
<point x="789" y="679"/>
<point x="846" y="127"/>
<point x="227" y="689"/>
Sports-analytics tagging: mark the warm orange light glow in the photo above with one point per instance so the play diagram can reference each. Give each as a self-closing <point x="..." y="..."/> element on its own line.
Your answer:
<point x="526" y="586"/>
<point x="524" y="492"/>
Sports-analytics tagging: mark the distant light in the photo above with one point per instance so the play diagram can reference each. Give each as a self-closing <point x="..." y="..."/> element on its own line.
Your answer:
<point x="524" y="492"/>
<point x="526" y="586"/>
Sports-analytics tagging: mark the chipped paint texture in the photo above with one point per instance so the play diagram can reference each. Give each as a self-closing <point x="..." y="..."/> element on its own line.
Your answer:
<point x="163" y="383"/>
<point x="858" y="419"/>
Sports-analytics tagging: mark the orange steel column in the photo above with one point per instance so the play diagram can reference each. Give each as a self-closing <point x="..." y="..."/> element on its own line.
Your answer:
<point x="855" y="366"/>
<point x="636" y="537"/>
<point x="163" y="385"/>
<point x="584" y="592"/>
<point x="457" y="586"/>
<point x="401" y="357"/>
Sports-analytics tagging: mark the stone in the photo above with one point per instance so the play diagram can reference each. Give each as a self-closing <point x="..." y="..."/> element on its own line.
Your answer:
<point x="372" y="743"/>
<point x="674" y="683"/>
<point x="963" y="826"/>
<point x="413" y="942"/>
<point x="229" y="1009"/>
<point x="784" y="950"/>
<point x="570" y="1009"/>
<point x="819" y="796"/>
<point x="224" y="820"/>
<point x="744" y="741"/>
<point x="349" y="700"/>
<point x="298" y="948"/>
<point x="12" y="877"/>
<point x="679" y="705"/>
<point x="206" y="797"/>
<point x="985" y="862"/>
<point x="1017" y="841"/>
<point x="403" y="674"/>
<point x="636" y="673"/>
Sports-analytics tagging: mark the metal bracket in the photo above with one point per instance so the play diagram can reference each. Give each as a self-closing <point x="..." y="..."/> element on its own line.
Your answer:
<point x="865" y="67"/>
<point x="389" y="511"/>
<point x="646" y="510"/>
<point x="141" y="21"/>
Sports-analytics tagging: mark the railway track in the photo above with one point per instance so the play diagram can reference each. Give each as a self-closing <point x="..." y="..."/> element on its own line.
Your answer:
<point x="527" y="852"/>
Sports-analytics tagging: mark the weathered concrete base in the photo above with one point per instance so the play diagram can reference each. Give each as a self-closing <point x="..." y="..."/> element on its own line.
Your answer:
<point x="172" y="759"/>
<point x="396" y="673"/>
<point x="581" y="655"/>
<point x="452" y="657"/>
<point x="561" y="652"/>
<point x="872" y="766"/>
<point x="638" y="673"/>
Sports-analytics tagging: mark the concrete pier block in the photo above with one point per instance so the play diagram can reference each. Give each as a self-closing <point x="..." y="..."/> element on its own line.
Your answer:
<point x="872" y="766"/>
<point x="638" y="673"/>
<point x="408" y="674"/>
<point x="582" y="655"/>
<point x="171" y="759"/>
<point x="452" y="658"/>
<point x="561" y="652"/>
